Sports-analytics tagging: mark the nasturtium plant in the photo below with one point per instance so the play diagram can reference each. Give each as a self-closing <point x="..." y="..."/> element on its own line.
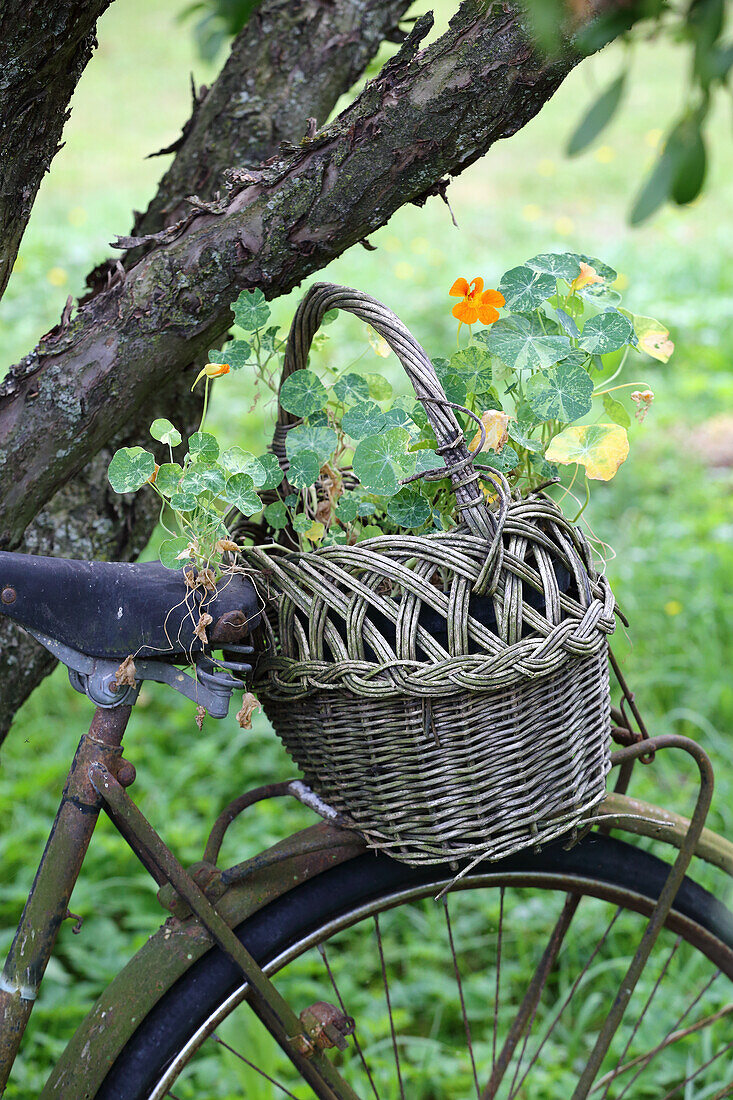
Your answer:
<point x="539" y="375"/>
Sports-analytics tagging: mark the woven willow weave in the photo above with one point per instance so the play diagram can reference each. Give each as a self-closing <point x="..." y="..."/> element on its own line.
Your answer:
<point x="447" y="693"/>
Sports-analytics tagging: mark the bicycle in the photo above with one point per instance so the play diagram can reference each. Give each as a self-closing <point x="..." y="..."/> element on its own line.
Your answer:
<point x="154" y="1031"/>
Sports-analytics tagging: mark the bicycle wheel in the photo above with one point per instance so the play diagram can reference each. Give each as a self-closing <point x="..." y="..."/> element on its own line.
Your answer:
<point x="436" y="989"/>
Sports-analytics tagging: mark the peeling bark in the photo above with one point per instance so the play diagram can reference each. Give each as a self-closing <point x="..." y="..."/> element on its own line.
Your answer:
<point x="293" y="61"/>
<point x="44" y="48"/>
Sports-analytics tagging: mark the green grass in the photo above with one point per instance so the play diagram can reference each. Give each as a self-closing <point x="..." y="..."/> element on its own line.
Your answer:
<point x="667" y="514"/>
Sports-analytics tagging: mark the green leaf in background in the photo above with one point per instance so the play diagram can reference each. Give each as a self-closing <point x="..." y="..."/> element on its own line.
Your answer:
<point x="597" y="117"/>
<point x="366" y="508"/>
<point x="503" y="461"/>
<point x="240" y="492"/>
<point x="276" y="515"/>
<point x="251" y="310"/>
<point x="616" y="411"/>
<point x="164" y="431"/>
<point x="364" y="419"/>
<point x="379" y="461"/>
<point x="322" y="441"/>
<point x="521" y="343"/>
<point x="236" y="354"/>
<point x="691" y="165"/>
<point x="273" y="472"/>
<point x="130" y="468"/>
<point x="379" y="388"/>
<point x="525" y="289"/>
<point x="409" y="508"/>
<point x="203" y="447"/>
<point x="167" y="479"/>
<point x="329" y="317"/>
<point x="170" y="550"/>
<point x="238" y="461"/>
<point x="606" y="332"/>
<point x="561" y="265"/>
<point x="347" y="508"/>
<point x="517" y="436"/>
<point x="310" y="529"/>
<point x="423" y="460"/>
<point x="561" y="393"/>
<point x="473" y="366"/>
<point x="305" y="466"/>
<point x="303" y="393"/>
<point x="351" y="388"/>
<point x="606" y="272"/>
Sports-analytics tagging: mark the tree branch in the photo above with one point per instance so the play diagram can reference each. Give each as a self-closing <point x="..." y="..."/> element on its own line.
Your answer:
<point x="292" y="61"/>
<point x="422" y="118"/>
<point x="45" y="48"/>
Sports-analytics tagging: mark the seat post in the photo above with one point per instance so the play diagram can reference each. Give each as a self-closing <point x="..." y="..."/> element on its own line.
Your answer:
<point x="47" y="904"/>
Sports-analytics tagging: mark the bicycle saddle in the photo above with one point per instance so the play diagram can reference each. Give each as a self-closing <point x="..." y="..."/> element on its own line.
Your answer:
<point x="113" y="609"/>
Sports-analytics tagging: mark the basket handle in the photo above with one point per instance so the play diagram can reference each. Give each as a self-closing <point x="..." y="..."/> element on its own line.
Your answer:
<point x="321" y="298"/>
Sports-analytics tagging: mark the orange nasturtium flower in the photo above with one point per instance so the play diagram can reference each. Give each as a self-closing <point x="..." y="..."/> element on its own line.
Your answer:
<point x="587" y="276"/>
<point x="212" y="370"/>
<point x="477" y="304"/>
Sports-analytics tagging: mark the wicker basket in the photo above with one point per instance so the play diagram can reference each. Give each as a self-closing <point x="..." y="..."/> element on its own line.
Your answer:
<point x="447" y="693"/>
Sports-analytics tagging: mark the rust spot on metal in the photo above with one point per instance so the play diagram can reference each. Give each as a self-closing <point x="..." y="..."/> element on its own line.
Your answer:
<point x="326" y="1025"/>
<point x="126" y="773"/>
<point x="9" y="595"/>
<point x="229" y="628"/>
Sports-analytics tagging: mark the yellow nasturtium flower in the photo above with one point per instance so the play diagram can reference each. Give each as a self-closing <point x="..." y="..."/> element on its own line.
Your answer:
<point x="212" y="370"/>
<point x="587" y="276"/>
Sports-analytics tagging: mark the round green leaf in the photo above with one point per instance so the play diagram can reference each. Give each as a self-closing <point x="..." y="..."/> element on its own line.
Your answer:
<point x="525" y="289"/>
<point x="561" y="265"/>
<point x="504" y="460"/>
<point x="606" y="272"/>
<point x="164" y="431"/>
<point x="251" y="310"/>
<point x="168" y="477"/>
<point x="364" y="419"/>
<point x="203" y="447"/>
<point x="304" y="469"/>
<point x="236" y="354"/>
<point x="347" y="508"/>
<point x="366" y="508"/>
<point x="273" y="472"/>
<point x="276" y="515"/>
<point x="183" y="502"/>
<point x="129" y="469"/>
<point x="397" y="418"/>
<point x="420" y="462"/>
<point x="409" y="508"/>
<point x="473" y="366"/>
<point x="170" y="551"/>
<point x="606" y="332"/>
<point x="303" y="393"/>
<point x="238" y="461"/>
<point x="240" y="492"/>
<point x="522" y="343"/>
<point x="561" y="393"/>
<point x="379" y="461"/>
<point x="203" y="479"/>
<point x="351" y="388"/>
<point x="568" y="323"/>
<point x="321" y="441"/>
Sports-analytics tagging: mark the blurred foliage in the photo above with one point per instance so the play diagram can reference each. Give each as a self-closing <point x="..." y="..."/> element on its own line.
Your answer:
<point x="217" y="21"/>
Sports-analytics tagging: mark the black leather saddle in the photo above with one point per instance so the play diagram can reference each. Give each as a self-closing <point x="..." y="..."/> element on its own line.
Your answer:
<point x="114" y="609"/>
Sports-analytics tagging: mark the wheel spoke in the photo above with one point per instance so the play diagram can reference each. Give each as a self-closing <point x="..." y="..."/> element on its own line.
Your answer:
<point x="342" y="1006"/>
<point x="528" y="1006"/>
<point x="497" y="981"/>
<point x="456" y="971"/>
<point x="566" y="1002"/>
<point x="251" y="1065"/>
<point x="389" y="1007"/>
<point x="676" y="1090"/>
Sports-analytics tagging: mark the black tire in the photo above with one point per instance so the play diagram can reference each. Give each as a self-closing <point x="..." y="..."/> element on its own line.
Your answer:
<point x="599" y="866"/>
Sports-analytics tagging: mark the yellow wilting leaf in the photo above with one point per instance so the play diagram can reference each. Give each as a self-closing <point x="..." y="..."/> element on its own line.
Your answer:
<point x="314" y="532"/>
<point x="601" y="448"/>
<point x="378" y="343"/>
<point x="653" y="336"/>
<point x="495" y="424"/>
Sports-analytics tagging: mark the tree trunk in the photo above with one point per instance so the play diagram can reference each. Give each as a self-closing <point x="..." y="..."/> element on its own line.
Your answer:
<point x="44" y="48"/>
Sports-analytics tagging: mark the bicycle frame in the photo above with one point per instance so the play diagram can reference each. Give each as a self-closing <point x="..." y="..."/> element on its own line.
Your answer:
<point x="97" y="780"/>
